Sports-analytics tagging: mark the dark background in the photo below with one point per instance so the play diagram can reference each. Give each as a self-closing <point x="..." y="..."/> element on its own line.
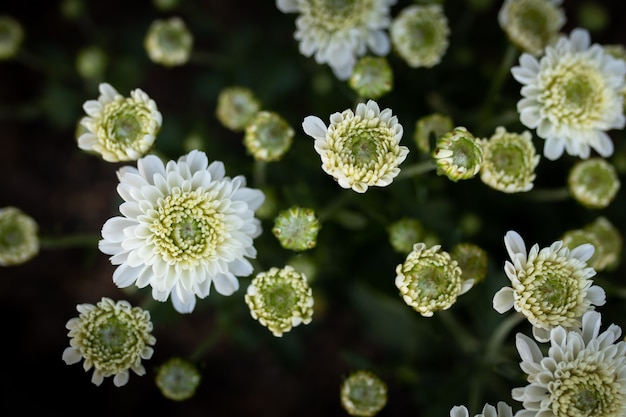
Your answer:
<point x="359" y="322"/>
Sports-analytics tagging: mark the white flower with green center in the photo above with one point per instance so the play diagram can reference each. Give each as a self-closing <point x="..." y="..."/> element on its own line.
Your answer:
<point x="268" y="136"/>
<point x="594" y="183"/>
<point x="168" y="42"/>
<point x="359" y="149"/>
<point x="572" y="96"/>
<point x="419" y="34"/>
<point x="280" y="299"/>
<point x="583" y="374"/>
<point x="120" y="128"/>
<point x="430" y="280"/>
<point x="184" y="226"/>
<point x="503" y="410"/>
<point x="509" y="161"/>
<point x="363" y="393"/>
<point x="337" y="32"/>
<point x="531" y="25"/>
<point x="112" y="338"/>
<point x="550" y="287"/>
<point x="19" y="240"/>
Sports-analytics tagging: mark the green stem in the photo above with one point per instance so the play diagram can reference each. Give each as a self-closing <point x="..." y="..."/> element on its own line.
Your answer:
<point x="71" y="241"/>
<point x="332" y="207"/>
<point x="259" y="173"/>
<point x="548" y="194"/>
<point x="208" y="342"/>
<point x="508" y="58"/>
<point x="467" y="342"/>
<point x="417" y="169"/>
<point x="500" y="334"/>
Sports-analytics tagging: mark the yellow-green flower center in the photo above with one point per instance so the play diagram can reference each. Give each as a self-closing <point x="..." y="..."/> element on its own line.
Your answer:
<point x="280" y="300"/>
<point x="124" y="125"/>
<point x="187" y="228"/>
<point x="551" y="293"/>
<point x="508" y="159"/>
<point x="334" y="15"/>
<point x="585" y="390"/>
<point x="574" y="94"/>
<point x="113" y="339"/>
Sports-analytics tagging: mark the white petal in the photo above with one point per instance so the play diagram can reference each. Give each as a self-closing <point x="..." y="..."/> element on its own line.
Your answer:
<point x="503" y="300"/>
<point x="314" y="127"/>
<point x="514" y="244"/>
<point x="225" y="284"/>
<point x="553" y="148"/>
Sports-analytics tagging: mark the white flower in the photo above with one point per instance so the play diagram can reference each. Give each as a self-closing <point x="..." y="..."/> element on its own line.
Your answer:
<point x="338" y="32"/>
<point x="550" y="287"/>
<point x="359" y="149"/>
<point x="509" y="161"/>
<point x="571" y="96"/>
<point x="503" y="410"/>
<point x="119" y="128"/>
<point x="185" y="225"/>
<point x="583" y="374"/>
<point x="112" y="338"/>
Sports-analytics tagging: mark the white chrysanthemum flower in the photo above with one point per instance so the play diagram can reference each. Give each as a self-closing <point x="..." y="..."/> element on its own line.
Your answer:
<point x="359" y="149"/>
<point x="184" y="226"/>
<point x="503" y="410"/>
<point x="532" y="24"/>
<point x="339" y="32"/>
<point x="572" y="96"/>
<point x="112" y="338"/>
<point x="429" y="279"/>
<point x="583" y="374"/>
<point x="280" y="299"/>
<point x="419" y="34"/>
<point x="120" y="128"/>
<point x="551" y="287"/>
<point x="509" y="161"/>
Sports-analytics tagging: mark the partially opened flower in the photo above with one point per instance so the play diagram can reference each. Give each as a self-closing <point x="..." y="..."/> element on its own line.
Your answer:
<point x="359" y="149"/>
<point x="184" y="227"/>
<point x="112" y="338"/>
<point x="178" y="379"/>
<point x="472" y="259"/>
<point x="19" y="239"/>
<point x="583" y="373"/>
<point x="120" y="128"/>
<point x="372" y="77"/>
<point x="532" y="24"/>
<point x="605" y="238"/>
<point x="169" y="42"/>
<point x="594" y="182"/>
<point x="268" y="136"/>
<point x="419" y="34"/>
<point x="509" y="161"/>
<point x="236" y="107"/>
<point x="363" y="393"/>
<point x="296" y="228"/>
<point x="550" y="287"/>
<point x="572" y="96"/>
<point x="280" y="299"/>
<point x="458" y="154"/>
<point x="503" y="410"/>
<point x="429" y="279"/>
<point x="337" y="33"/>
<point x="428" y="130"/>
